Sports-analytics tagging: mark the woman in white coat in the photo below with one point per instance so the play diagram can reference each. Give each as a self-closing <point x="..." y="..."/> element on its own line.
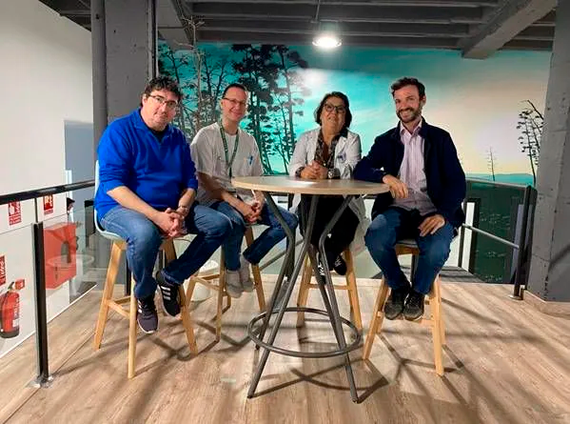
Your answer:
<point x="328" y="152"/>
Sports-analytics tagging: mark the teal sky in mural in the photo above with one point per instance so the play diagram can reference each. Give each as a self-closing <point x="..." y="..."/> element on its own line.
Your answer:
<point x="477" y="101"/>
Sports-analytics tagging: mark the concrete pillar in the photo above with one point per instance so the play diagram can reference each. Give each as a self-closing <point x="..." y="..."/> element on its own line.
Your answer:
<point x="549" y="276"/>
<point x="124" y="39"/>
<point x="131" y="52"/>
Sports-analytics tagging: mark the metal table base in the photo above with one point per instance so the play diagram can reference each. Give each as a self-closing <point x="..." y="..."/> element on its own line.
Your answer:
<point x="325" y="287"/>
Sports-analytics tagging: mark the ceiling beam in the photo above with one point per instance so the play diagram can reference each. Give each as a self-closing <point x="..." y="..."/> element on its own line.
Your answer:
<point x="300" y="39"/>
<point x="169" y="13"/>
<point x="365" y="29"/>
<point x="441" y="15"/>
<point x="510" y="18"/>
<point x="442" y="3"/>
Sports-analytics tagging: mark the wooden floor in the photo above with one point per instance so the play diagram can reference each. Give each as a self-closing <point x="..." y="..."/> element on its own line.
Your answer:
<point x="505" y="363"/>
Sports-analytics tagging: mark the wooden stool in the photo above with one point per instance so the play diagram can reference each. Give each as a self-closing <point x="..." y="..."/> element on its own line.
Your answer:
<point x="220" y="287"/>
<point x="350" y="287"/>
<point x="131" y="313"/>
<point x="434" y="320"/>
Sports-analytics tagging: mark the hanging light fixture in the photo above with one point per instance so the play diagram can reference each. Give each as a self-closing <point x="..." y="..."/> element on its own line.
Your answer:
<point x="327" y="36"/>
<point x="327" y="39"/>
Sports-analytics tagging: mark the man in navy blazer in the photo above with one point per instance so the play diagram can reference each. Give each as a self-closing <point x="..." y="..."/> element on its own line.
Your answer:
<point x="419" y="163"/>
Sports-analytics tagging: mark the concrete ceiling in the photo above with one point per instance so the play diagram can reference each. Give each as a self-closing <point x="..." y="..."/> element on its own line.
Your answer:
<point x="477" y="28"/>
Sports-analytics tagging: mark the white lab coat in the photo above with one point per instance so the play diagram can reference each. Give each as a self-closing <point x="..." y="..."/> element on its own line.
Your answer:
<point x="347" y="154"/>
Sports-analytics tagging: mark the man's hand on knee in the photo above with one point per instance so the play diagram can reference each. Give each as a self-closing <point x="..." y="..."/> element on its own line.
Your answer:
<point x="431" y="224"/>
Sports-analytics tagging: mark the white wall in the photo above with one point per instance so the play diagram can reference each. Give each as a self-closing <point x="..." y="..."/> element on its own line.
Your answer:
<point x="45" y="80"/>
<point x="45" y="75"/>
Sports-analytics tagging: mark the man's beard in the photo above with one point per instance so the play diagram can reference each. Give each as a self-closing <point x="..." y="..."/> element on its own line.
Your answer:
<point x="416" y="113"/>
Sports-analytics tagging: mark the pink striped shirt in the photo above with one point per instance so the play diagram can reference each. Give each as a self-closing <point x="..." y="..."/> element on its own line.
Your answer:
<point x="412" y="173"/>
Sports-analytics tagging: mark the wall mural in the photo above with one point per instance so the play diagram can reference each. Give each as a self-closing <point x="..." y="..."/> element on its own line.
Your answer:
<point x="492" y="108"/>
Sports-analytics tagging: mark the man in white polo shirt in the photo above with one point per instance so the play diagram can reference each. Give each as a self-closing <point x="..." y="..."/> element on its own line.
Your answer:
<point x="222" y="151"/>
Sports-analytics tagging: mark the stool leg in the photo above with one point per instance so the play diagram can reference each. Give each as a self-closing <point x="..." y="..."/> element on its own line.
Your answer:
<point x="258" y="287"/>
<point x="190" y="289"/>
<point x="187" y="322"/>
<point x="352" y="290"/>
<point x="132" y="331"/>
<point x="169" y="250"/>
<point x="221" y="292"/>
<point x="440" y="307"/>
<point x="377" y="318"/>
<point x="112" y="272"/>
<point x="304" y="291"/>
<point x="256" y="273"/>
<point x="436" y="330"/>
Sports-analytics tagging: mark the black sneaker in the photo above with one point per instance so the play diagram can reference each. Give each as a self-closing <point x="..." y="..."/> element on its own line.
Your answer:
<point x="414" y="308"/>
<point x="146" y="315"/>
<point x="321" y="269"/>
<point x="170" y="295"/>
<point x="395" y="304"/>
<point x="339" y="265"/>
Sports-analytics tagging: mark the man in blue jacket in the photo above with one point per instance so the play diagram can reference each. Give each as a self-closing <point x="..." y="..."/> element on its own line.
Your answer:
<point x="427" y="185"/>
<point x="146" y="194"/>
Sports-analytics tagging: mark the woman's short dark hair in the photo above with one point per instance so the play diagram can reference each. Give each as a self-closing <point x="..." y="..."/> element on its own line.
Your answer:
<point x="402" y="82"/>
<point x="344" y="98"/>
<point x="163" y="83"/>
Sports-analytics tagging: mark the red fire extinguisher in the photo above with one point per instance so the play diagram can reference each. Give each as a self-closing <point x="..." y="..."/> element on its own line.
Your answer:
<point x="10" y="310"/>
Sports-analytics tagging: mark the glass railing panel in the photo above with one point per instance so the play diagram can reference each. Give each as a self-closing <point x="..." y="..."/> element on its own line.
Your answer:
<point x="17" y="312"/>
<point x="497" y="210"/>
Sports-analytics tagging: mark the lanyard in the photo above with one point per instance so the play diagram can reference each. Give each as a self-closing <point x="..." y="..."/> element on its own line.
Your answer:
<point x="229" y="162"/>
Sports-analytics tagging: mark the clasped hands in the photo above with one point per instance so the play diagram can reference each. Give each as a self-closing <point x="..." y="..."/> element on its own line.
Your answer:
<point x="171" y="222"/>
<point x="399" y="190"/>
<point x="314" y="171"/>
<point x="251" y="211"/>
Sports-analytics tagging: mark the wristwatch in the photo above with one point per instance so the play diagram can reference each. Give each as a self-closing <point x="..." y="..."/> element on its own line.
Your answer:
<point x="330" y="173"/>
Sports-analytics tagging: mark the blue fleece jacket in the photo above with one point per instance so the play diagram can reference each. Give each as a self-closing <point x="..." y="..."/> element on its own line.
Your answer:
<point x="444" y="175"/>
<point x="130" y="155"/>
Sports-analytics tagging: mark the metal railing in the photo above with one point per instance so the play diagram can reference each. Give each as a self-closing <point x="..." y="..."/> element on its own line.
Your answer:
<point x="43" y="375"/>
<point x="522" y="245"/>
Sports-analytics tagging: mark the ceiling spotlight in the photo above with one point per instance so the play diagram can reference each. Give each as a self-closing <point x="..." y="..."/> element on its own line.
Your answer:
<point x="327" y="41"/>
<point x="327" y="36"/>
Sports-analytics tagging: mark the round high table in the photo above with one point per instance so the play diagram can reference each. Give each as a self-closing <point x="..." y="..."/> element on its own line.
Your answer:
<point x="315" y="188"/>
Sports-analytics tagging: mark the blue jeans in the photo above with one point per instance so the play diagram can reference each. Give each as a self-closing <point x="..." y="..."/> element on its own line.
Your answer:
<point x="397" y="224"/>
<point x="262" y="244"/>
<point x="143" y="240"/>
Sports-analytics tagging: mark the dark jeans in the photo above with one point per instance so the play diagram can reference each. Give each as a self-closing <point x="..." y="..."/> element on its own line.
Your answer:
<point x="144" y="239"/>
<point x="343" y="231"/>
<point x="272" y="235"/>
<point x="397" y="224"/>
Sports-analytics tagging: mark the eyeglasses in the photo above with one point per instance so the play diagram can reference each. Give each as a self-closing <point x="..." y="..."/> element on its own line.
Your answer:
<point x="339" y="109"/>
<point x="170" y="104"/>
<point x="235" y="102"/>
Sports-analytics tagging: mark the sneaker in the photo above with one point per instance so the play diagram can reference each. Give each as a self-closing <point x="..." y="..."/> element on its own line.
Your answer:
<point x="321" y="269"/>
<point x="339" y="265"/>
<point x="146" y="315"/>
<point x="414" y="308"/>
<point x="233" y="285"/>
<point x="245" y="276"/>
<point x="170" y="294"/>
<point x="395" y="304"/>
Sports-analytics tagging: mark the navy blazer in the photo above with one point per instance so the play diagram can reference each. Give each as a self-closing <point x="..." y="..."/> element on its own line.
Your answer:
<point x="444" y="175"/>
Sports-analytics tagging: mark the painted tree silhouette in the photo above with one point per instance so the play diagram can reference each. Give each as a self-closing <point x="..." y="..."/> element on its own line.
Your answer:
<point x="531" y="124"/>
<point x="291" y="96"/>
<point x="491" y="162"/>
<point x="178" y="66"/>
<point x="258" y="73"/>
